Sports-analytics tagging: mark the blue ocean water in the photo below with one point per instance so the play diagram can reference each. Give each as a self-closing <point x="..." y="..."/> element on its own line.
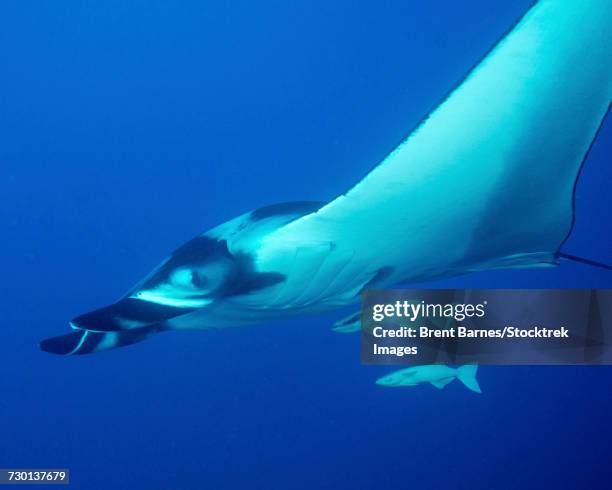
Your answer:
<point x="129" y="127"/>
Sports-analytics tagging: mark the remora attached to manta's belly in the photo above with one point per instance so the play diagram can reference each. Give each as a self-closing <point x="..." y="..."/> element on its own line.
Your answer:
<point x="486" y="181"/>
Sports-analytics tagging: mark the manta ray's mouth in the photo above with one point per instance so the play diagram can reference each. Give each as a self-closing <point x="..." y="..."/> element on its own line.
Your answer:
<point x="126" y="314"/>
<point x="153" y="297"/>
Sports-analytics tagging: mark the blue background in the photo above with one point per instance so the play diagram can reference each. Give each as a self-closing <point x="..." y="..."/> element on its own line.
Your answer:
<point x="126" y="128"/>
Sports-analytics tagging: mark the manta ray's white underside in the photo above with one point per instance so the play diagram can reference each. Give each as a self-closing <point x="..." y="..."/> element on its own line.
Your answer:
<point x="487" y="179"/>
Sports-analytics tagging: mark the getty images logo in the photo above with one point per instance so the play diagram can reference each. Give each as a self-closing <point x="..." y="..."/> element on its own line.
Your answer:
<point x="411" y="310"/>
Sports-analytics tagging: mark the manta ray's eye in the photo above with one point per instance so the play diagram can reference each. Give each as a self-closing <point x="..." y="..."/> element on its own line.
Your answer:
<point x="198" y="280"/>
<point x="187" y="279"/>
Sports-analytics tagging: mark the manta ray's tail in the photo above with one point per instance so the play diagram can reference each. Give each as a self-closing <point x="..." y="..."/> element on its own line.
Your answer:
<point x="582" y="260"/>
<point x="87" y="342"/>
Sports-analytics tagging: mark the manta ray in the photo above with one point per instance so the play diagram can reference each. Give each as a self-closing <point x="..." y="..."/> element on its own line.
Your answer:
<point x="485" y="181"/>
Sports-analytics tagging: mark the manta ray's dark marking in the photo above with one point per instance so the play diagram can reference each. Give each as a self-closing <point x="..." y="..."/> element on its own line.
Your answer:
<point x="298" y="208"/>
<point x="244" y="279"/>
<point x="241" y="277"/>
<point x="199" y="250"/>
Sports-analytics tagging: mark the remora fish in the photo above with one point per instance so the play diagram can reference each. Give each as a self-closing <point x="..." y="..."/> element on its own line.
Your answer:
<point x="436" y="374"/>
<point x="485" y="181"/>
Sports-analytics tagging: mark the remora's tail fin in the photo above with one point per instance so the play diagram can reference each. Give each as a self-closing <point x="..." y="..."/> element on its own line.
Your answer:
<point x="467" y="375"/>
<point x="88" y="342"/>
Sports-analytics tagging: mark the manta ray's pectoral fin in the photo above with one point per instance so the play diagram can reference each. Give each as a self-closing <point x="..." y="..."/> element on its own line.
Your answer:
<point x="87" y="341"/>
<point x="348" y="324"/>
